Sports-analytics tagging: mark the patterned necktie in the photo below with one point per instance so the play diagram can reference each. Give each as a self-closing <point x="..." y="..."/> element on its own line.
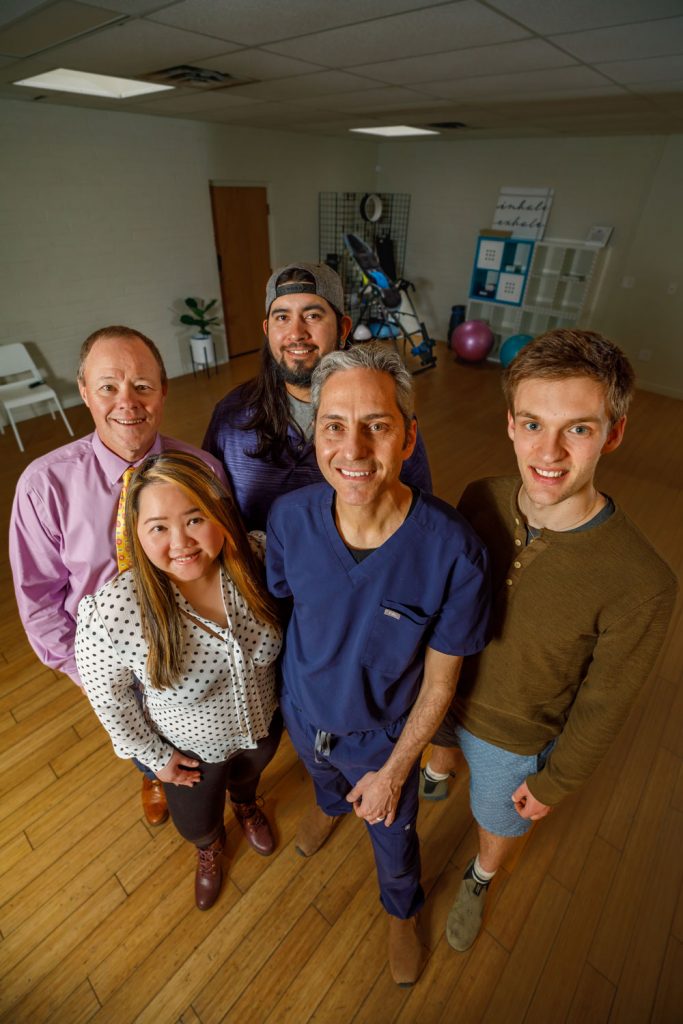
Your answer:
<point x="123" y="556"/>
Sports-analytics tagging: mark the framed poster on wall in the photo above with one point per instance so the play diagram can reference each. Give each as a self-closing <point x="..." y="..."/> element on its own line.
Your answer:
<point x="523" y="211"/>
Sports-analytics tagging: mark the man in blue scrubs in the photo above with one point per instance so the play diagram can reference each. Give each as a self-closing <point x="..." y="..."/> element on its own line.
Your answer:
<point x="389" y="590"/>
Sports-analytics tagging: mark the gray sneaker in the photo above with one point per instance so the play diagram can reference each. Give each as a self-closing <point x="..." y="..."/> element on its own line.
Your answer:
<point x="464" y="920"/>
<point x="430" y="790"/>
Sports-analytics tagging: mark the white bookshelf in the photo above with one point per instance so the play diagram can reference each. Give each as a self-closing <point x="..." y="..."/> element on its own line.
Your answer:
<point x="563" y="282"/>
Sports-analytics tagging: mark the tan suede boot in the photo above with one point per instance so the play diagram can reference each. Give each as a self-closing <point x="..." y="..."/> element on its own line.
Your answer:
<point x="315" y="828"/>
<point x="405" y="951"/>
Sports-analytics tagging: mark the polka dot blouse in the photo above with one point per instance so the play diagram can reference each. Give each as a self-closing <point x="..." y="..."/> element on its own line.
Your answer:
<point x="224" y="699"/>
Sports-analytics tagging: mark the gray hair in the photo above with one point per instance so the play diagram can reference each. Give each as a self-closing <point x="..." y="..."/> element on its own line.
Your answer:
<point x="371" y="355"/>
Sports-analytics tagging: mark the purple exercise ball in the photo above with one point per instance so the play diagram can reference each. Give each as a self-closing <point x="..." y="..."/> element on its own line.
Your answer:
<point x="472" y="340"/>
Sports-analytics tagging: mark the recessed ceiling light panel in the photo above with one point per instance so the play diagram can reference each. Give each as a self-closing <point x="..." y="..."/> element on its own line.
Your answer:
<point x="66" y="80"/>
<point x="394" y="131"/>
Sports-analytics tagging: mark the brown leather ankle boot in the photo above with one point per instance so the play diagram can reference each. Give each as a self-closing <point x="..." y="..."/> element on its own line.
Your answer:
<point x="255" y="826"/>
<point x="209" y="876"/>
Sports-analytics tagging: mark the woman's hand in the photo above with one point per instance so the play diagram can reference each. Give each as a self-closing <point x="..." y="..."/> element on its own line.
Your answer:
<point x="172" y="772"/>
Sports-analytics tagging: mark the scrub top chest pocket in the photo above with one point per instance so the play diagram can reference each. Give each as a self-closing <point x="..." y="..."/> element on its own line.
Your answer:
<point x="397" y="634"/>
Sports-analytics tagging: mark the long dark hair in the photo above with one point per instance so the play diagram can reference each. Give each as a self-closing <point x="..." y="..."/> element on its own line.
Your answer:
<point x="266" y="395"/>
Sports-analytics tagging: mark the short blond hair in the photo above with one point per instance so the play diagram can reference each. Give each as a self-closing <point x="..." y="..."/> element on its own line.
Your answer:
<point x="118" y="331"/>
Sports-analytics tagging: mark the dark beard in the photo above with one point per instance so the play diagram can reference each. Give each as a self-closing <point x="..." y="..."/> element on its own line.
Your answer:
<point x="299" y="378"/>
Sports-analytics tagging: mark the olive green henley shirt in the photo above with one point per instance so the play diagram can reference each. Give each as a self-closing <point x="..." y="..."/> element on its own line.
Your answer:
<point x="577" y="623"/>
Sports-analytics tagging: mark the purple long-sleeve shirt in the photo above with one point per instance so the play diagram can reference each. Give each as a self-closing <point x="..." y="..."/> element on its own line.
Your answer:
<point x="256" y="483"/>
<point x="62" y="538"/>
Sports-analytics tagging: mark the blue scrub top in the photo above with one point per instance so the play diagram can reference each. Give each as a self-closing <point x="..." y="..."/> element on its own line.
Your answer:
<point x="355" y="645"/>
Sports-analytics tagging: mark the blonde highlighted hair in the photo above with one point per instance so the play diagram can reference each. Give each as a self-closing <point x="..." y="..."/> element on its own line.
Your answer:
<point x="162" y="621"/>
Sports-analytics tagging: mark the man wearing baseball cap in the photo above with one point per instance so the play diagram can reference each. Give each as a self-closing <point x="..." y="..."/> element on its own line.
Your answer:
<point x="262" y="431"/>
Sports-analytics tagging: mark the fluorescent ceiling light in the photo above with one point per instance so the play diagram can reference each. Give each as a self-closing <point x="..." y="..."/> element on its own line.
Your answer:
<point x="394" y="130"/>
<point x="65" y="80"/>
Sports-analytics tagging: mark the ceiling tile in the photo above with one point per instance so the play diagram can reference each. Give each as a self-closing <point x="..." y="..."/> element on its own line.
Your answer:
<point x="652" y="69"/>
<point x="134" y="48"/>
<point x="198" y="101"/>
<point x="549" y="16"/>
<point x="372" y="99"/>
<point x="257" y="64"/>
<point x="51" y="25"/>
<point x="653" y="123"/>
<point x="525" y="55"/>
<point x="275" y="115"/>
<point x="324" y="83"/>
<point x="622" y="103"/>
<point x="486" y="86"/>
<point x="364" y="62"/>
<point x="8" y="92"/>
<point x="17" y="69"/>
<point x="253" y="23"/>
<point x="137" y="8"/>
<point x="455" y="25"/>
<point x="13" y="9"/>
<point x="667" y="99"/>
<point x="627" y="42"/>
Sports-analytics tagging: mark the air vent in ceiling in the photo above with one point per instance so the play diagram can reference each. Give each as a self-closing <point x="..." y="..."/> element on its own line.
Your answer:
<point x="201" y="78"/>
<point x="447" y="125"/>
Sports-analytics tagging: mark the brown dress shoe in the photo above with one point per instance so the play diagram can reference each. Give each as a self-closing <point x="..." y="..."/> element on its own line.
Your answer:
<point x="315" y="828"/>
<point x="254" y="824"/>
<point x="209" y="876"/>
<point x="154" y="801"/>
<point x="405" y="951"/>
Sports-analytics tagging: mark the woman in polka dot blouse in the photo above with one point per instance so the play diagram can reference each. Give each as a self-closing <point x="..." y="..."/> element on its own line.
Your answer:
<point x="192" y="622"/>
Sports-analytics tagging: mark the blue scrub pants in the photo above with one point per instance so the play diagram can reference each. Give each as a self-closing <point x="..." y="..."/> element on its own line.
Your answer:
<point x="396" y="848"/>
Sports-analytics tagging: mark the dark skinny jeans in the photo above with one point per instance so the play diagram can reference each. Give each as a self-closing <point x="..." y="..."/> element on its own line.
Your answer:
<point x="197" y="811"/>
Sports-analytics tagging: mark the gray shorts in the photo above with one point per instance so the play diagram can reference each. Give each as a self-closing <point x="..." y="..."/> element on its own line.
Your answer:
<point x="495" y="774"/>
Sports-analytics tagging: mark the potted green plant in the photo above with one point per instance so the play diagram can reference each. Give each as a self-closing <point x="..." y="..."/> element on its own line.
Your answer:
<point x="201" y="342"/>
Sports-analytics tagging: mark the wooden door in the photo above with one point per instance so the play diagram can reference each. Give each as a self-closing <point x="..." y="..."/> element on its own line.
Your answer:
<point x="240" y="221"/>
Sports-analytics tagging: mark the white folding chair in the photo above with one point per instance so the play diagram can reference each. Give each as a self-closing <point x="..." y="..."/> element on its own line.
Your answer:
<point x="24" y="386"/>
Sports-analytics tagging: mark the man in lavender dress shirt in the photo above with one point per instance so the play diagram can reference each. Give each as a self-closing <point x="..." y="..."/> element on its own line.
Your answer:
<point x="62" y="529"/>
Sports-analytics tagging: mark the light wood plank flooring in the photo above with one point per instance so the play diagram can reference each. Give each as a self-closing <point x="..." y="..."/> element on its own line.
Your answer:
<point x="585" y="923"/>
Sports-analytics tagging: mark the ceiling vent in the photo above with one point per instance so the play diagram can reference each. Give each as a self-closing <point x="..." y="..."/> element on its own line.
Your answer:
<point x="444" y="126"/>
<point x="198" y="78"/>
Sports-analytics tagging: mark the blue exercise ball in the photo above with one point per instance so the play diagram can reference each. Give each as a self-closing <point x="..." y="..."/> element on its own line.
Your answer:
<point x="472" y="340"/>
<point x="511" y="346"/>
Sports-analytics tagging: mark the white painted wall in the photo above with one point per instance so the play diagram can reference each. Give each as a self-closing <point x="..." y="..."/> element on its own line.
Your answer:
<point x="630" y="182"/>
<point x="106" y="218"/>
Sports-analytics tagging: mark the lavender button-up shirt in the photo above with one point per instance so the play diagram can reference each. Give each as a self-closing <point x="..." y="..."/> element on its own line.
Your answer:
<point x="62" y="538"/>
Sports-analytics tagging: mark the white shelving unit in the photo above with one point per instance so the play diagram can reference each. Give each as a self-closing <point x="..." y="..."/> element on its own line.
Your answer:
<point x="563" y="282"/>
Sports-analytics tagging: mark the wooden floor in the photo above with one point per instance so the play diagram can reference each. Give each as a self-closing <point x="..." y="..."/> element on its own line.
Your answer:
<point x="97" y="918"/>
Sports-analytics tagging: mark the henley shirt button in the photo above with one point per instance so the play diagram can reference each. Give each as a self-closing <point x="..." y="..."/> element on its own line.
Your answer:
<point x="518" y="565"/>
<point x="518" y="542"/>
<point x="509" y="582"/>
<point x="517" y="522"/>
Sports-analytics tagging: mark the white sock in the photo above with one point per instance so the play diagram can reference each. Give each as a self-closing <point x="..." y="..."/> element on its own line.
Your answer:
<point x="435" y="776"/>
<point x="480" y="872"/>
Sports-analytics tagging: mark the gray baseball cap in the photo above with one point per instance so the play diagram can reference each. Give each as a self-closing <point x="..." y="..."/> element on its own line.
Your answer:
<point x="327" y="284"/>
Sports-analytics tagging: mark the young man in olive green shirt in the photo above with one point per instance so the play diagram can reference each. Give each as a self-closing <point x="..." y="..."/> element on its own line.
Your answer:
<point x="582" y="604"/>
